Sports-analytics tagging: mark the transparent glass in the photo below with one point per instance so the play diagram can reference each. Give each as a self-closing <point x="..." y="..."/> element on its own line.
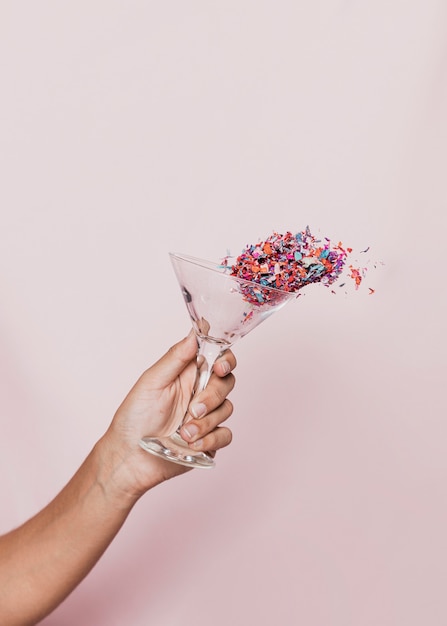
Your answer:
<point x="222" y="309"/>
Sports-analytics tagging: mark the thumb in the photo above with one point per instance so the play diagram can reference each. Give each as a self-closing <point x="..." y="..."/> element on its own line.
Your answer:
<point x="176" y="359"/>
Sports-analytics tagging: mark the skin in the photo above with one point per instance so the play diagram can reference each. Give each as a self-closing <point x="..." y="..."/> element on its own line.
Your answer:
<point x="43" y="560"/>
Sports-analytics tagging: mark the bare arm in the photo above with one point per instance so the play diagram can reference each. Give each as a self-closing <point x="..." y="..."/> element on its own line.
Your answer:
<point x="43" y="560"/>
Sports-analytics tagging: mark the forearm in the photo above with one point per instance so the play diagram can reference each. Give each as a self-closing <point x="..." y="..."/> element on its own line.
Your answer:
<point x="42" y="561"/>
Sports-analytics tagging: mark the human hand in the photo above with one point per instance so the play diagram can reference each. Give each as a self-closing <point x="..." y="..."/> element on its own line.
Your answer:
<point x="157" y="402"/>
<point x="54" y="550"/>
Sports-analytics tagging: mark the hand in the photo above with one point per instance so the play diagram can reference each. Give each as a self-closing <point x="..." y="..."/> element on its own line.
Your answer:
<point x="157" y="402"/>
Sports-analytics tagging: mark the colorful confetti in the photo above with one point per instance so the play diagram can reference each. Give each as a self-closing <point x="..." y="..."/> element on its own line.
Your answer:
<point x="287" y="263"/>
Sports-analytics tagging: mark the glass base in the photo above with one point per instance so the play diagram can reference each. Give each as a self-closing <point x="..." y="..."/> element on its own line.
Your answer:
<point x="173" y="449"/>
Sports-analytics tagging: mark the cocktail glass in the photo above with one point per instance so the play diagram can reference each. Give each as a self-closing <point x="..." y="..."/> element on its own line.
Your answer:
<point x="223" y="309"/>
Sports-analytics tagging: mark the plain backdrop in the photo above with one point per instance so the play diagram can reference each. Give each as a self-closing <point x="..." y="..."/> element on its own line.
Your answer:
<point x="131" y="129"/>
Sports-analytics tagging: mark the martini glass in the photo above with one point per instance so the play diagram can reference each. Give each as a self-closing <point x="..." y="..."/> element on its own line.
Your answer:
<point x="223" y="309"/>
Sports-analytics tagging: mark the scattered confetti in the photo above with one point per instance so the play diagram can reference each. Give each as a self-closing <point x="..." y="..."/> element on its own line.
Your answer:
<point x="287" y="263"/>
<point x="356" y="276"/>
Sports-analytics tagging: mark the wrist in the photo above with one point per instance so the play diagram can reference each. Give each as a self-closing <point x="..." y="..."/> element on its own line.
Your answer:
<point x="125" y="472"/>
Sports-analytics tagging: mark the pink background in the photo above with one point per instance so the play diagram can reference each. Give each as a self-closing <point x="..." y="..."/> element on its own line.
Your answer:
<point x="129" y="129"/>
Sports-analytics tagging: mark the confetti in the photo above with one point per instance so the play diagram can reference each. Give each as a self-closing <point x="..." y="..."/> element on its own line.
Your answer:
<point x="287" y="263"/>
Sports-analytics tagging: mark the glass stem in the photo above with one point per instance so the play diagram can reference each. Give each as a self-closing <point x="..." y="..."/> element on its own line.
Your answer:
<point x="207" y="354"/>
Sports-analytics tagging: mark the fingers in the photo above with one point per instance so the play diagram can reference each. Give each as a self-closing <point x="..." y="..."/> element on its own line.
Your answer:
<point x="212" y="396"/>
<point x="171" y="364"/>
<point x="217" y="439"/>
<point x="210" y="407"/>
<point x="217" y="389"/>
<point x="225" y="364"/>
<point x="205" y="433"/>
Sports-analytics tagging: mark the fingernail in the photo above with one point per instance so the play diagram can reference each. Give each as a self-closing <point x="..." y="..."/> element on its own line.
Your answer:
<point x="197" y="444"/>
<point x="225" y="366"/>
<point x="191" y="431"/>
<point x="198" y="410"/>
